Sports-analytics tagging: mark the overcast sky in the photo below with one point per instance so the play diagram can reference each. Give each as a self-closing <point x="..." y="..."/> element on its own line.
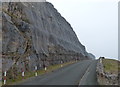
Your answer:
<point x="95" y="23"/>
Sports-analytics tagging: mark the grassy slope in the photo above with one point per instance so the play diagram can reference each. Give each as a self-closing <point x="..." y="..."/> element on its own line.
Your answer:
<point x="111" y="65"/>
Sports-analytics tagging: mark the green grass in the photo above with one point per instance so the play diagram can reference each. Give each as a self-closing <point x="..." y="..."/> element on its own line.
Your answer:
<point x="40" y="72"/>
<point x="0" y="83"/>
<point x="111" y="65"/>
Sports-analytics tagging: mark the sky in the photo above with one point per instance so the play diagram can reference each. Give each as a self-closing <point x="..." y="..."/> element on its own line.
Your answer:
<point x="95" y="23"/>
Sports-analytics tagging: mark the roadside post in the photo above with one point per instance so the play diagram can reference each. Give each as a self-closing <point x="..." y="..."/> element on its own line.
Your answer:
<point x="45" y="68"/>
<point x="61" y="64"/>
<point x="5" y="74"/>
<point x="36" y="71"/>
<point x="23" y="73"/>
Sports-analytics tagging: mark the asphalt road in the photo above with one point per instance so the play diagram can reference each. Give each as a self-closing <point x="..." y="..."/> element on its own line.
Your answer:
<point x="90" y="77"/>
<point x="82" y="73"/>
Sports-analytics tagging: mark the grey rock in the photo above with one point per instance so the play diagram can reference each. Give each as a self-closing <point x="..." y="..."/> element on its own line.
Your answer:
<point x="35" y="34"/>
<point x="91" y="55"/>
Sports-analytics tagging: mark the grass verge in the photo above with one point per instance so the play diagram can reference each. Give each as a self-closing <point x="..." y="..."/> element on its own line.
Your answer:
<point x="19" y="78"/>
<point x="111" y="65"/>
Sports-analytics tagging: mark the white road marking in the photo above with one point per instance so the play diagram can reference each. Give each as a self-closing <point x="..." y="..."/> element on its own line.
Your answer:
<point x="84" y="74"/>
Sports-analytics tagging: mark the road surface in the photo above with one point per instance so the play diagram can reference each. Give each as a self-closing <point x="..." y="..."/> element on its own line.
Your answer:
<point x="82" y="73"/>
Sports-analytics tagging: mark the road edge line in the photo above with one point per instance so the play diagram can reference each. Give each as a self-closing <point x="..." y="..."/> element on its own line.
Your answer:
<point x="84" y="74"/>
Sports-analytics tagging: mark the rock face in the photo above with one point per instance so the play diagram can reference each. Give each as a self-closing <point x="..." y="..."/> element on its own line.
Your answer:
<point x="35" y="34"/>
<point x="91" y="55"/>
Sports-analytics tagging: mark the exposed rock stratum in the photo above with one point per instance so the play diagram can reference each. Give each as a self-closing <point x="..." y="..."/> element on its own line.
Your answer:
<point x="35" y="34"/>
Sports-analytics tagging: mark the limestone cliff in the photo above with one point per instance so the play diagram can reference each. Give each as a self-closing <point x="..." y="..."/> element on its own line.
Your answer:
<point x="35" y="34"/>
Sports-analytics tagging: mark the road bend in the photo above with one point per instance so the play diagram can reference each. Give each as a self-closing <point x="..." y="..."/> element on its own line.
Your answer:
<point x="80" y="73"/>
